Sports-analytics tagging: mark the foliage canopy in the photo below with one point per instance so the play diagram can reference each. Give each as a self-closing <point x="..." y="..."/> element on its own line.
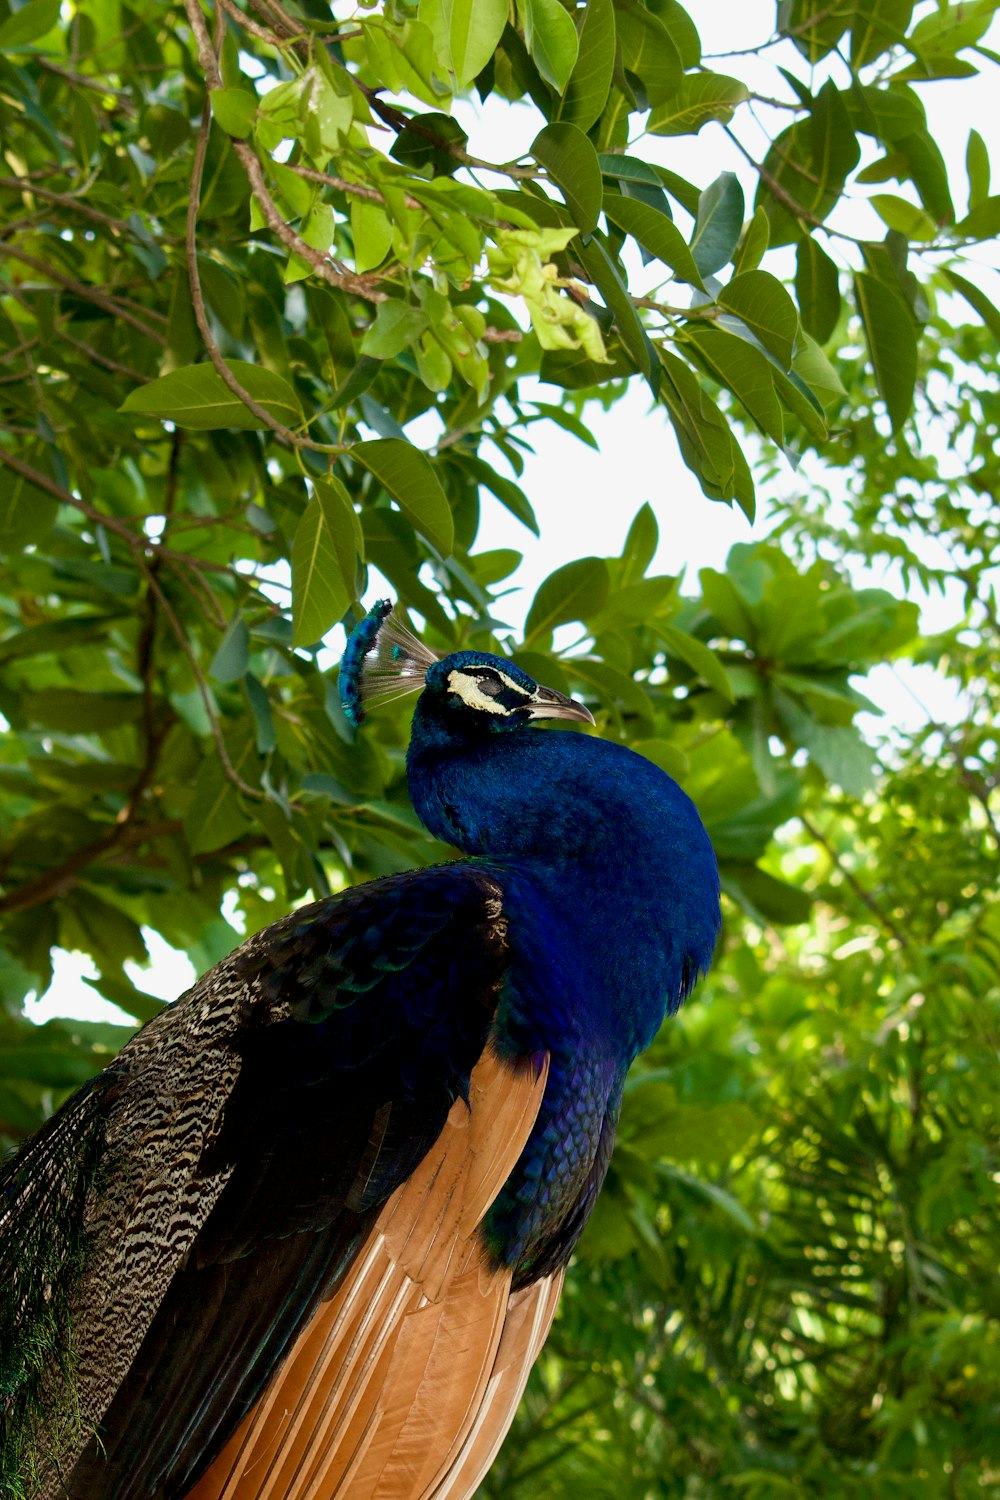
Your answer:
<point x="266" y="322"/>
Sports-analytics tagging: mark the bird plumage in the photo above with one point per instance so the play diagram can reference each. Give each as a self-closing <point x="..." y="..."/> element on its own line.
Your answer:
<point x="305" y="1236"/>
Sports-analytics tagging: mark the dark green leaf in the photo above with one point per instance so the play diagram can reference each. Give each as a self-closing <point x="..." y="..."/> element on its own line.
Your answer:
<point x="698" y="656"/>
<point x="606" y="276"/>
<point x="649" y="53"/>
<point x="975" y="298"/>
<point x="761" y="302"/>
<point x="656" y="233"/>
<point x="29" y="24"/>
<point x="575" y="591"/>
<point x="235" y="110"/>
<point x="817" y="287"/>
<point x="474" y="31"/>
<point x="216" y="815"/>
<point x="983" y="222"/>
<point x="703" y="97"/>
<point x="737" y="364"/>
<point x="551" y="40"/>
<point x="892" y="344"/>
<point x="707" y="444"/>
<point x="753" y="243"/>
<point x="587" y="89"/>
<point x="77" y="712"/>
<point x="718" y="225"/>
<point x="424" y="142"/>
<point x="571" y="161"/>
<point x="407" y="475"/>
<point x="319" y="593"/>
<point x="27" y="514"/>
<point x="198" y="397"/>
<point x="977" y="167"/>
<point x="231" y="659"/>
<point x="877" y="26"/>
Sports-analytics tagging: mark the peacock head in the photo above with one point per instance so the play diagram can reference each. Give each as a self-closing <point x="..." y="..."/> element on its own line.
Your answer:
<point x="468" y="693"/>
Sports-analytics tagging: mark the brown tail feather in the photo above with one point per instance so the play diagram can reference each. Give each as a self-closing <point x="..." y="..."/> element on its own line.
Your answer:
<point x="405" y="1382"/>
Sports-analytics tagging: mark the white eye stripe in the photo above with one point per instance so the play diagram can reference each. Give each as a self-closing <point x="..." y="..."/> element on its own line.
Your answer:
<point x="468" y="688"/>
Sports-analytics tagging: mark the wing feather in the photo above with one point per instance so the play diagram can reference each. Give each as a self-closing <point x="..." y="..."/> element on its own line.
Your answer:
<point x="244" y="1144"/>
<point x="405" y="1381"/>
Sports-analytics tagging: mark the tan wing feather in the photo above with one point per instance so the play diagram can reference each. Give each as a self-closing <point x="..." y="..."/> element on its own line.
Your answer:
<point x="404" y="1383"/>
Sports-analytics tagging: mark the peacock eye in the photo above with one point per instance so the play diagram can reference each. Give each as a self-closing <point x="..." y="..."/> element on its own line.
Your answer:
<point x="488" y="685"/>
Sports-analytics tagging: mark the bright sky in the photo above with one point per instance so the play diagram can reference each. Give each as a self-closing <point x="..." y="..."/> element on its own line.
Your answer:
<point x="584" y="500"/>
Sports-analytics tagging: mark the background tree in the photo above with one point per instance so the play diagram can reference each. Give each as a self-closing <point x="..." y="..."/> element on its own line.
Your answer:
<point x="266" y="323"/>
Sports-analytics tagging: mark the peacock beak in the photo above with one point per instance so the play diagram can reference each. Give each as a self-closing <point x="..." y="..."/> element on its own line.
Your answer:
<point x="546" y="703"/>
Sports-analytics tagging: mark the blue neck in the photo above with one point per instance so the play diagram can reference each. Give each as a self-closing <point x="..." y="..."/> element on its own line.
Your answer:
<point x="601" y="856"/>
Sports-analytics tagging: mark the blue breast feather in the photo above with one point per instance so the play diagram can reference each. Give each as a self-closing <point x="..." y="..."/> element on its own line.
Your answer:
<point x="611" y="895"/>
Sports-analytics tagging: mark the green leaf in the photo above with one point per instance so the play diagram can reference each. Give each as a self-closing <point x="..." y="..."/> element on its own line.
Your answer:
<point x="656" y="233"/>
<point x="649" y="54"/>
<point x="814" y="30"/>
<point x="680" y="28"/>
<point x="983" y="223"/>
<point x="718" y="224"/>
<point x="764" y="897"/>
<point x="474" y="31"/>
<point x="698" y="656"/>
<point x="571" y="161"/>
<point x="414" y="147"/>
<point x="906" y="218"/>
<point x="230" y="661"/>
<point x="707" y="444"/>
<point x="712" y="1193"/>
<point x="753" y="243"/>
<point x="216" y="815"/>
<point x="892" y="344"/>
<point x="235" y="110"/>
<point x="975" y="298"/>
<point x="640" y="545"/>
<point x="573" y="592"/>
<point x="745" y="370"/>
<point x="809" y="162"/>
<point x="703" y="97"/>
<point x="608" y="279"/>
<point x="838" y="750"/>
<point x="551" y="40"/>
<point x="319" y="594"/>
<point x="29" y="24"/>
<point x="817" y="287"/>
<point x="877" y="26"/>
<point x="761" y="302"/>
<point x="344" y="526"/>
<point x="77" y="712"/>
<point x="395" y="328"/>
<point x="27" y="514"/>
<point x="587" y="90"/>
<point x="198" y="397"/>
<point x="664" y="754"/>
<point x="371" y="232"/>
<point x="407" y="475"/>
<point x="977" y="167"/>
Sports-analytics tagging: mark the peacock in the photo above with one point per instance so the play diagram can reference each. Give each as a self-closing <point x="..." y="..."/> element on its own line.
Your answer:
<point x="304" y="1238"/>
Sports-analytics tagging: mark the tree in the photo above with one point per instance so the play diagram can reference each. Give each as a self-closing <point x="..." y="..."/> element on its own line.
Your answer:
<point x="242" y="252"/>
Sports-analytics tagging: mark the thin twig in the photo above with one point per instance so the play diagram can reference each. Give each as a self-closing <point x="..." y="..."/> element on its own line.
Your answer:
<point x="113" y="305"/>
<point x="285" y="434"/>
<point x="228" y="768"/>
<point x="851" y="880"/>
<point x="136" y="544"/>
<point x="102" y="359"/>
